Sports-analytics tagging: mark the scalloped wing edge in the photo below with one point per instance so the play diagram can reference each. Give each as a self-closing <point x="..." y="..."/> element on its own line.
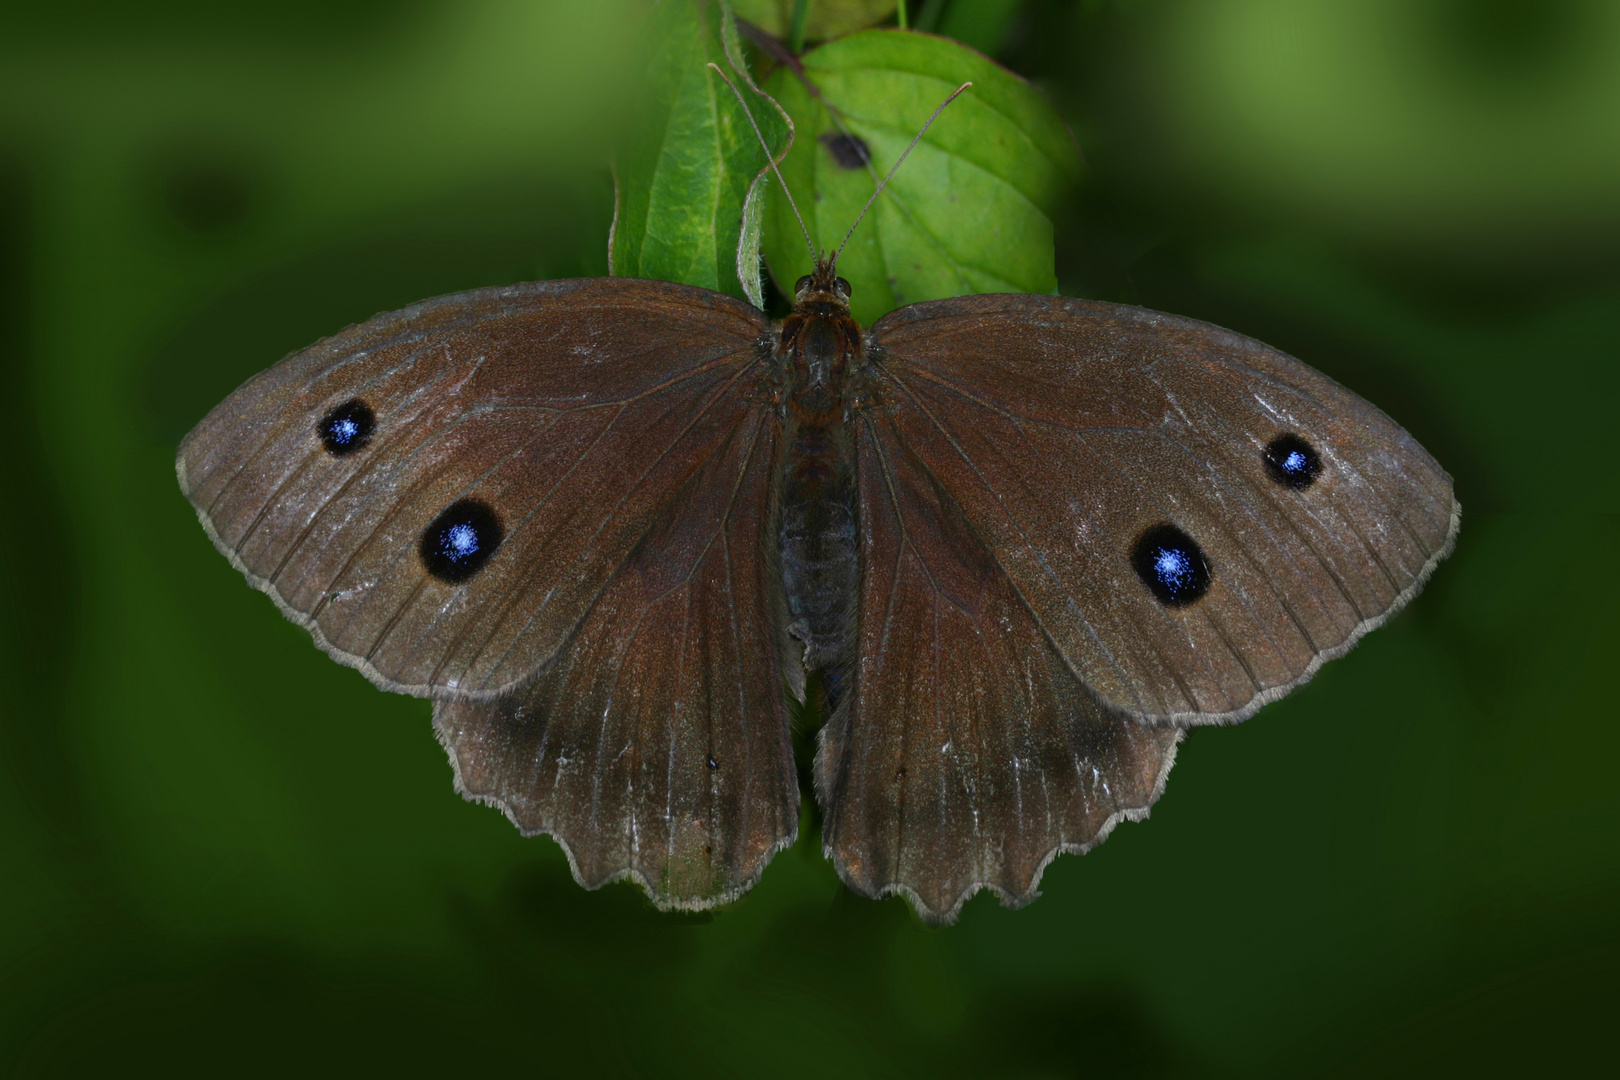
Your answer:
<point x="629" y="873"/>
<point x="1362" y="629"/>
<point x="322" y="642"/>
<point x="1010" y="900"/>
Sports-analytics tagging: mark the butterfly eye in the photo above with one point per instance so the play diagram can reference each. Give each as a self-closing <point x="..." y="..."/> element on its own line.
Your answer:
<point x="804" y="283"/>
<point x="346" y="428"/>
<point x="841" y="287"/>
<point x="460" y="540"/>
<point x="1292" y="461"/>
<point x="1172" y="565"/>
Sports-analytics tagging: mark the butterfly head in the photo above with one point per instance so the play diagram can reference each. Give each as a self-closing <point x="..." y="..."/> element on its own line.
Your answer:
<point x="822" y="290"/>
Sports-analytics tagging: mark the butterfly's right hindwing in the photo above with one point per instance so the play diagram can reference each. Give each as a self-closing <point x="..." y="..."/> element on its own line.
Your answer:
<point x="966" y="754"/>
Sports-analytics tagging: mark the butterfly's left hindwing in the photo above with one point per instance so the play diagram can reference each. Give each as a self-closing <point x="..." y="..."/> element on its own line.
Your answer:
<point x="657" y="746"/>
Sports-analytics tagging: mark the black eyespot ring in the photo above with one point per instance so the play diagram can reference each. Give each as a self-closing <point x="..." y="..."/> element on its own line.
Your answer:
<point x="1172" y="565"/>
<point x="460" y="540"/>
<point x="346" y="428"/>
<point x="1292" y="461"/>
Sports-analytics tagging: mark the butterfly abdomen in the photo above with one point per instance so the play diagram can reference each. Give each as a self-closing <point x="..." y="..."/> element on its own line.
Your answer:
<point x="819" y="546"/>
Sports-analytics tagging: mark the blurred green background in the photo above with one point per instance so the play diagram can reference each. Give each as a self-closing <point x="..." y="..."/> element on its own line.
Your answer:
<point x="221" y="852"/>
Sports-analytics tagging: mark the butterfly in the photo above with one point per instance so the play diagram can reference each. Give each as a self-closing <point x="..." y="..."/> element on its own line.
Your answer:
<point x="609" y="525"/>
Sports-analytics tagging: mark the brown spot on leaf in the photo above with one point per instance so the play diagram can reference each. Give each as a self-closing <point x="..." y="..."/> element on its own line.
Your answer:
<point x="849" y="151"/>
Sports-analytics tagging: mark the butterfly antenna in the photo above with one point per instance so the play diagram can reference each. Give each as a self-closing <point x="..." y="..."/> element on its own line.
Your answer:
<point x="772" y="158"/>
<point x="915" y="140"/>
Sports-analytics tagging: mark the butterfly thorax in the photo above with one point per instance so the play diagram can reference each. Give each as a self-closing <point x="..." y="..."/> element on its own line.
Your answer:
<point x="819" y="357"/>
<point x="820" y="352"/>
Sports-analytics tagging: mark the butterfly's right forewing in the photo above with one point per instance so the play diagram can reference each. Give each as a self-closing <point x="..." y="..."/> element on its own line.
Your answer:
<point x="1126" y="469"/>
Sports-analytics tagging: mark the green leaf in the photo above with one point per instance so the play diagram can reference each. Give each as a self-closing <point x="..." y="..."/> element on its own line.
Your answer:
<point x="683" y="181"/>
<point x="828" y="18"/>
<point x="970" y="210"/>
<point x="780" y="128"/>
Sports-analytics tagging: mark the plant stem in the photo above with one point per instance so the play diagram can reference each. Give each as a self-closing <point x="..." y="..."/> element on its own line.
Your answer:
<point x="801" y="15"/>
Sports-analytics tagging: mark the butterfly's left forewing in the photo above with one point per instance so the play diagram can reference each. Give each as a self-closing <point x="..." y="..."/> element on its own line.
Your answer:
<point x="438" y="494"/>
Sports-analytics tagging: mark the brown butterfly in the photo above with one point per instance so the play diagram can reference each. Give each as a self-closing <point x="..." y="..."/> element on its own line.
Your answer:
<point x="1025" y="540"/>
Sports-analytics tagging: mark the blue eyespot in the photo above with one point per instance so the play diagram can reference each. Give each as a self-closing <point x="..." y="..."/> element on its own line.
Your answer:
<point x="346" y="428"/>
<point x="1172" y="565"/>
<point x="460" y="540"/>
<point x="1292" y="461"/>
